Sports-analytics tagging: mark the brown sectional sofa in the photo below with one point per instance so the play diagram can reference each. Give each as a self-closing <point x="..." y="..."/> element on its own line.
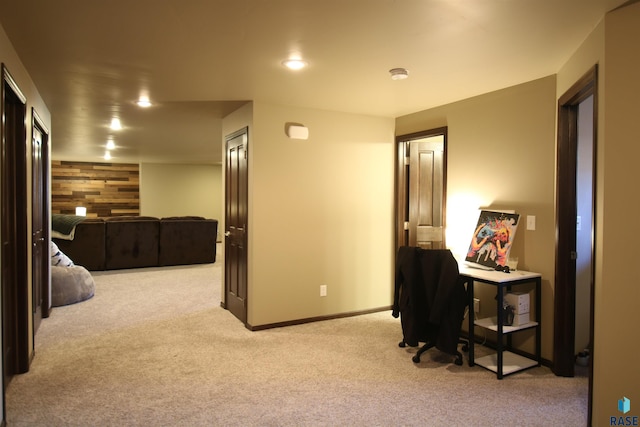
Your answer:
<point x="141" y="241"/>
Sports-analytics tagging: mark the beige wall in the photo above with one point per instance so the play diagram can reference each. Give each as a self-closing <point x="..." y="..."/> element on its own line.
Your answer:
<point x="320" y="212"/>
<point x="175" y="190"/>
<point x="501" y="150"/>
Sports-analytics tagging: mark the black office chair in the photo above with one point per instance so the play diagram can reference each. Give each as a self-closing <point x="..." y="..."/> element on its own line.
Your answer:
<point x="431" y="298"/>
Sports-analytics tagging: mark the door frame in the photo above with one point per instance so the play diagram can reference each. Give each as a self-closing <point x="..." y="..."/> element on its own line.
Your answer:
<point x="44" y="206"/>
<point x="402" y="182"/>
<point x="566" y="208"/>
<point x="14" y="218"/>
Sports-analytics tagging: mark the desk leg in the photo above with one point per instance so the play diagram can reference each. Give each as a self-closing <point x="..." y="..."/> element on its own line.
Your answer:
<point x="472" y="335"/>
<point x="539" y="320"/>
<point x="499" y="348"/>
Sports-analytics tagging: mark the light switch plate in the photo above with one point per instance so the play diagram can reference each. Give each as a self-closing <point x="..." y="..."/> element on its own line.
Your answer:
<point x="531" y="222"/>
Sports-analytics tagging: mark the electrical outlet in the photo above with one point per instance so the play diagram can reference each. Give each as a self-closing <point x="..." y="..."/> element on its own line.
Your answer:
<point x="323" y="290"/>
<point x="476" y="305"/>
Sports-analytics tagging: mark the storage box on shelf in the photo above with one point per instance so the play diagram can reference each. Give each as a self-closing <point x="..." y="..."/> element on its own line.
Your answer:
<point x="520" y="302"/>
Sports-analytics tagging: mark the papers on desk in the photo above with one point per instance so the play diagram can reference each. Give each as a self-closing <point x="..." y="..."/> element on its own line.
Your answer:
<point x="478" y="266"/>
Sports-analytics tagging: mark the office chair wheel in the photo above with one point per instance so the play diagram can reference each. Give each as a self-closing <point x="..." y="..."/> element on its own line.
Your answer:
<point x="465" y="347"/>
<point x="416" y="358"/>
<point x="458" y="362"/>
<point x="402" y="344"/>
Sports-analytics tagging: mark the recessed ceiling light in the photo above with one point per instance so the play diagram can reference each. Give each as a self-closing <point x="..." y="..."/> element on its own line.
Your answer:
<point x="111" y="145"/>
<point x="107" y="155"/>
<point x="295" y="64"/>
<point x="399" y="73"/>
<point x="144" y="102"/>
<point x="115" y="124"/>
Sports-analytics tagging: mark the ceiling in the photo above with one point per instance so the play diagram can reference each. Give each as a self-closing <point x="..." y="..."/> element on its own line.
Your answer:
<point x="198" y="60"/>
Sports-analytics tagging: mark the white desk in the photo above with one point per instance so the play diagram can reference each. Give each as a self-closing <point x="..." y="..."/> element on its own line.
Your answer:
<point x="502" y="362"/>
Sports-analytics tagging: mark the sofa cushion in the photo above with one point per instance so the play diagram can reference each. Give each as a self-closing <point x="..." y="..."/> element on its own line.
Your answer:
<point x="131" y="242"/>
<point x="130" y="218"/>
<point x="181" y="218"/>
<point x="185" y="240"/>
<point x="88" y="245"/>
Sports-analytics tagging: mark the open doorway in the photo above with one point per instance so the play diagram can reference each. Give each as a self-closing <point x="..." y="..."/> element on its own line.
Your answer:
<point x="575" y="227"/>
<point x="421" y="189"/>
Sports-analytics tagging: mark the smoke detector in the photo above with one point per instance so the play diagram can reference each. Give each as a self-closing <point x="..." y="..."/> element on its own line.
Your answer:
<point x="399" y="73"/>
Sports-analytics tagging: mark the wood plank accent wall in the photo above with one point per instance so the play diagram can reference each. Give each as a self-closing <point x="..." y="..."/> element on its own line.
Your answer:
<point x="105" y="189"/>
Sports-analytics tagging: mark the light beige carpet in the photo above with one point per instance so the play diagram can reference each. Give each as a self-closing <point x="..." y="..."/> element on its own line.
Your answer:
<point x="154" y="348"/>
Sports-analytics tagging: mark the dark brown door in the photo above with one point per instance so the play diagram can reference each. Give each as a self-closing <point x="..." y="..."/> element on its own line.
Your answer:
<point x="236" y="201"/>
<point x="567" y="208"/>
<point x="15" y="292"/>
<point x="572" y="190"/>
<point x="39" y="224"/>
<point x="421" y="189"/>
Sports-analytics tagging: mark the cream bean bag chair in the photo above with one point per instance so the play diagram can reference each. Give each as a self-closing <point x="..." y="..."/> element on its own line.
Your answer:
<point x="69" y="283"/>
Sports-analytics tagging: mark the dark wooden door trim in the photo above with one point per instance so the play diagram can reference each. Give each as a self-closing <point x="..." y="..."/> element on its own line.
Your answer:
<point x="566" y="193"/>
<point x="40" y="206"/>
<point x="402" y="182"/>
<point x="13" y="165"/>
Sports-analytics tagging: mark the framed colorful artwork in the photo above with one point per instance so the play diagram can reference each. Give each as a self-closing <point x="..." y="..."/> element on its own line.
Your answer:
<point x="492" y="238"/>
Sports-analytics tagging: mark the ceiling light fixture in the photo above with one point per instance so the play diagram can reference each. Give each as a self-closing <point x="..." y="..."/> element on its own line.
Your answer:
<point x="144" y="102"/>
<point x="107" y="155"/>
<point x="295" y="64"/>
<point x="115" y="124"/>
<point x="399" y="73"/>
<point x="111" y="145"/>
